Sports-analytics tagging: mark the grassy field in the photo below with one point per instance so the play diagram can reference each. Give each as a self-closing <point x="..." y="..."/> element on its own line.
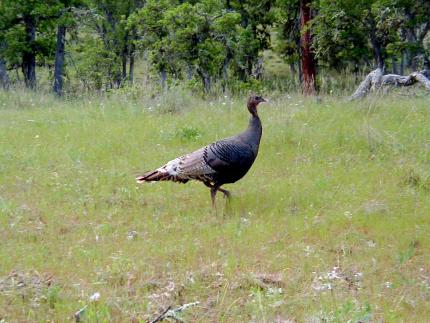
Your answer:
<point x="331" y="224"/>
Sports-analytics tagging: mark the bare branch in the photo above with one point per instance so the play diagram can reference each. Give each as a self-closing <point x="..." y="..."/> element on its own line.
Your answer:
<point x="160" y="317"/>
<point x="173" y="313"/>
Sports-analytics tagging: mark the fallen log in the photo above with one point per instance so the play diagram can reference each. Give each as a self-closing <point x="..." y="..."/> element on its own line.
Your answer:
<point x="375" y="80"/>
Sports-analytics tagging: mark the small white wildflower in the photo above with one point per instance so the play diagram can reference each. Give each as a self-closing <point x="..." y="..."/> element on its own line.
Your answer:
<point x="348" y="214"/>
<point x="358" y="275"/>
<point x="334" y="274"/>
<point x="308" y="250"/>
<point x="95" y="297"/>
<point x="274" y="291"/>
<point x="388" y="284"/>
<point x="131" y="235"/>
<point x="171" y="286"/>
<point x="371" y="244"/>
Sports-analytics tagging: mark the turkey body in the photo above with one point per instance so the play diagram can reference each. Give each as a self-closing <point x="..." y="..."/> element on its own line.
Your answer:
<point x="222" y="162"/>
<point x="232" y="158"/>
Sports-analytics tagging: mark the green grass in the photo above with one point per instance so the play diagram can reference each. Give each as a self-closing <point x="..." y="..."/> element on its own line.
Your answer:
<point x="331" y="223"/>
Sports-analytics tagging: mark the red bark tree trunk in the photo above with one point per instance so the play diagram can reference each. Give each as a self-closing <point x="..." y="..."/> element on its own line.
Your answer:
<point x="307" y="56"/>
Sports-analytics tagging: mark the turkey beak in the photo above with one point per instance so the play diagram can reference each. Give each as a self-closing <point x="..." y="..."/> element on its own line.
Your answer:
<point x="263" y="100"/>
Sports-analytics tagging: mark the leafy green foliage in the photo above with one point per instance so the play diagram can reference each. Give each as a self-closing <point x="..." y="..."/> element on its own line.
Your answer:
<point x="210" y="44"/>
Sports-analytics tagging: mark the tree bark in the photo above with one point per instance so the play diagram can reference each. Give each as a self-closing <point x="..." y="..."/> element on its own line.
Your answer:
<point x="131" y="54"/>
<point x="395" y="66"/>
<point x="131" y="68"/>
<point x="29" y="56"/>
<point x="4" y="78"/>
<point x="163" y="78"/>
<point x="225" y="72"/>
<point x="124" y="57"/>
<point x="403" y="63"/>
<point x="206" y="80"/>
<point x="124" y="65"/>
<point x="59" y="60"/>
<point x="377" y="48"/>
<point x="308" y="64"/>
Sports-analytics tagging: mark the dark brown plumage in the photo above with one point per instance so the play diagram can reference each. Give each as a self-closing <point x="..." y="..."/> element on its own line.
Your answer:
<point x="219" y="163"/>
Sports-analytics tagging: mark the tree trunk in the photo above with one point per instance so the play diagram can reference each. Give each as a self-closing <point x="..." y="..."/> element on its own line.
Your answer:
<point x="411" y="39"/>
<point x="225" y="73"/>
<point x="206" y="80"/>
<point x="258" y="70"/>
<point x="307" y="56"/>
<point x="426" y="62"/>
<point x="403" y="63"/>
<point x="163" y="78"/>
<point x="249" y="64"/>
<point x="117" y="74"/>
<point x="131" y="68"/>
<point x="293" y="69"/>
<point x="59" y="60"/>
<point x="124" y="58"/>
<point x="4" y="78"/>
<point x="395" y="66"/>
<point x="131" y="53"/>
<point x="124" y="66"/>
<point x="356" y="71"/>
<point x="377" y="48"/>
<point x="29" y="56"/>
<point x="299" y="68"/>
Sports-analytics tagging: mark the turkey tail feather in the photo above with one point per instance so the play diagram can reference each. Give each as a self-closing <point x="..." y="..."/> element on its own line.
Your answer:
<point x="153" y="176"/>
<point x="157" y="175"/>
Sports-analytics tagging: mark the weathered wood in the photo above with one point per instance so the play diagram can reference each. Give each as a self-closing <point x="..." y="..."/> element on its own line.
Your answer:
<point x="375" y="80"/>
<point x="420" y="77"/>
<point x="372" y="80"/>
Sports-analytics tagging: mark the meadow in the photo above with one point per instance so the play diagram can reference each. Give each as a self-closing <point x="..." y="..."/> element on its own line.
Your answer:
<point x="331" y="224"/>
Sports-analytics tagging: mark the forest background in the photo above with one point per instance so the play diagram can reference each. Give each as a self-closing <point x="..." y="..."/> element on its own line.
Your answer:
<point x="81" y="46"/>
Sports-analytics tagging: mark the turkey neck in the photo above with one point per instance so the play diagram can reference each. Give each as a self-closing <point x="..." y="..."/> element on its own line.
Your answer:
<point x="252" y="135"/>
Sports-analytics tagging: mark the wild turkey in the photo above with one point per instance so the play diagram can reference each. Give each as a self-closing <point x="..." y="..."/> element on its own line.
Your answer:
<point x="219" y="163"/>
